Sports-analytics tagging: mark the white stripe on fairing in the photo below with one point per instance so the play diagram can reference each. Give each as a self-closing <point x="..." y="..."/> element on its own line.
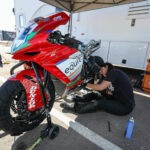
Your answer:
<point x="84" y="131"/>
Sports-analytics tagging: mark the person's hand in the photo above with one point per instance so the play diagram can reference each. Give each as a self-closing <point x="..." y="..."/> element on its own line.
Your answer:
<point x="108" y="92"/>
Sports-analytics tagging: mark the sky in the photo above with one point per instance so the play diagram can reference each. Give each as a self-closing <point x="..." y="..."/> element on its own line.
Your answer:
<point x="6" y="15"/>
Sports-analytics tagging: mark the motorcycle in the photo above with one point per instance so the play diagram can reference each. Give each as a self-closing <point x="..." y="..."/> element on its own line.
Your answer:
<point x="27" y="97"/>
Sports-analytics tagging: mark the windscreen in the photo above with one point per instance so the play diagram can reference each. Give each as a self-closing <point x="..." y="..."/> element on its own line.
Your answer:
<point x="21" y="39"/>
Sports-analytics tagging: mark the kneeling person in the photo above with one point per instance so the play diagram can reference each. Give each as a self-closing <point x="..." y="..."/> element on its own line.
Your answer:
<point x="119" y="98"/>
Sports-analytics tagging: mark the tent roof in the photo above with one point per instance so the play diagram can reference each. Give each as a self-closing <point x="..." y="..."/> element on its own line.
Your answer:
<point x="85" y="5"/>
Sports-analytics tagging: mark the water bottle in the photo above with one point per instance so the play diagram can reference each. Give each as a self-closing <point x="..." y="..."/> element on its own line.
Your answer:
<point x="129" y="129"/>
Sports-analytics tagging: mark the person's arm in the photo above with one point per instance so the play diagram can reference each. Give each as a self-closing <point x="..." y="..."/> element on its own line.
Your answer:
<point x="99" y="87"/>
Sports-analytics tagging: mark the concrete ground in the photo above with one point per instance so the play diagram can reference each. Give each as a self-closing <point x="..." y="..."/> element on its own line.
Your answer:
<point x="86" y="131"/>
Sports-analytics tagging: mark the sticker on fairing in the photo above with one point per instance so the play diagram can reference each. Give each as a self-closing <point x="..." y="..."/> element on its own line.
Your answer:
<point x="32" y="97"/>
<point x="72" y="66"/>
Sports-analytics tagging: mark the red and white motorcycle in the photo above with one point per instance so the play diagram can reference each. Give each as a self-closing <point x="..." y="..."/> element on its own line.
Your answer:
<point x="27" y="97"/>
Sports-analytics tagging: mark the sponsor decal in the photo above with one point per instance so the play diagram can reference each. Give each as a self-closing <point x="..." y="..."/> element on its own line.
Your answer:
<point x="76" y="61"/>
<point x="32" y="97"/>
<point x="71" y="67"/>
<point x="74" y="82"/>
<point x="49" y="31"/>
<point x="57" y="18"/>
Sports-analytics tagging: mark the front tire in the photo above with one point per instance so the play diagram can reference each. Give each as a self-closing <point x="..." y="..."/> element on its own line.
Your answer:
<point x="15" y="118"/>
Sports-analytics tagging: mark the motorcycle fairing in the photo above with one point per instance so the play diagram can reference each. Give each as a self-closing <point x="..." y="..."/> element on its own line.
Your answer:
<point x="71" y="67"/>
<point x="37" y="49"/>
<point x="30" y="84"/>
<point x="36" y="33"/>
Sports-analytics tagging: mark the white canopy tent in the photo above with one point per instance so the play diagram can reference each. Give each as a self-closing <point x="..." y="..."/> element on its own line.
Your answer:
<point x="74" y="6"/>
<point x="85" y="5"/>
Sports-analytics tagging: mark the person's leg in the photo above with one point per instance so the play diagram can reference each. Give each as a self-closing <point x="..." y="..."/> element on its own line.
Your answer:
<point x="110" y="106"/>
<point x="83" y="104"/>
<point x="87" y="97"/>
<point x="86" y="107"/>
<point x="113" y="107"/>
<point x="84" y="99"/>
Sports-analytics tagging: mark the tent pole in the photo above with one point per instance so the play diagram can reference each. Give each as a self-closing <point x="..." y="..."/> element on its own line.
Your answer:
<point x="70" y="22"/>
<point x="70" y="25"/>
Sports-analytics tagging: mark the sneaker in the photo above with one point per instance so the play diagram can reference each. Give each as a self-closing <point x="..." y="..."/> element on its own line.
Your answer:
<point x="67" y="106"/>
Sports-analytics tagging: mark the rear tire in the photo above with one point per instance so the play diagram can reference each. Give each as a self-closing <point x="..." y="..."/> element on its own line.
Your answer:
<point x="13" y="98"/>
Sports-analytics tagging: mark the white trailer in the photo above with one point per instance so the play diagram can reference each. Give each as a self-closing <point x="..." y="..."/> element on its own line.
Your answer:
<point x="124" y="30"/>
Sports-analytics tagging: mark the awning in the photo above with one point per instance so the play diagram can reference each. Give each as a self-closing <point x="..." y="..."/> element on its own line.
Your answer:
<point x="85" y="5"/>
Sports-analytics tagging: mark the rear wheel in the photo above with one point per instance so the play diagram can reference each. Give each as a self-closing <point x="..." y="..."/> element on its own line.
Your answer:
<point x="15" y="118"/>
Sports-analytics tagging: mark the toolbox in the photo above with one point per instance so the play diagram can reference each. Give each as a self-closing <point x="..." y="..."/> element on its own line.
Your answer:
<point x="146" y="79"/>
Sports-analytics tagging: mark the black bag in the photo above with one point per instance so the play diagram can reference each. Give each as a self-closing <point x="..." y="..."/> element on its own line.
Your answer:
<point x="72" y="43"/>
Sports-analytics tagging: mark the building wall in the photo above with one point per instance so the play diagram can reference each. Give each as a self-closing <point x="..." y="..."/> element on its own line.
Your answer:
<point x="112" y="24"/>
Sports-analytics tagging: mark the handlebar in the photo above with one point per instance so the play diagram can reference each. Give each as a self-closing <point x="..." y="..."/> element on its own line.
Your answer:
<point x="90" y="48"/>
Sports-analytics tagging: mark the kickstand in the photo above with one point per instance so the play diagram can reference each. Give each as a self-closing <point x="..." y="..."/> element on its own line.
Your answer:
<point x="48" y="131"/>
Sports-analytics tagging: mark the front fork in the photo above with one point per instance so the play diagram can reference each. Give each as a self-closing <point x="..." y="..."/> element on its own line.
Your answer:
<point x="41" y="86"/>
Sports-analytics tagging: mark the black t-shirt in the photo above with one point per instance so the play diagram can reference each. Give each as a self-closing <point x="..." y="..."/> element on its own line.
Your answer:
<point x="122" y="88"/>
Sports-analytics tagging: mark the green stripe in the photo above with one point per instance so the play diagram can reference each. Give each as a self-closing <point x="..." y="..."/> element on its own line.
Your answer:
<point x="23" y="46"/>
<point x="32" y="34"/>
<point x="77" y="73"/>
<point x="74" y="82"/>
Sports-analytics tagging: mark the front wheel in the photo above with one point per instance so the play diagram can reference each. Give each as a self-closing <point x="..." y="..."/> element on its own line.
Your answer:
<point x="15" y="118"/>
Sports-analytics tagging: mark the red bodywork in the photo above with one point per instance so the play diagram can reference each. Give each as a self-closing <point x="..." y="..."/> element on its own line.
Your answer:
<point x="31" y="86"/>
<point x="47" y="57"/>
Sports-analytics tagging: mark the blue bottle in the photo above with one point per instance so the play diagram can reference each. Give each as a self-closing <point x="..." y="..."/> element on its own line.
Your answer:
<point x="129" y="129"/>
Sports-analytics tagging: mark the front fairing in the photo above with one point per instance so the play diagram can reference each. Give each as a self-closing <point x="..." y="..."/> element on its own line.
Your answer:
<point x="36" y="33"/>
